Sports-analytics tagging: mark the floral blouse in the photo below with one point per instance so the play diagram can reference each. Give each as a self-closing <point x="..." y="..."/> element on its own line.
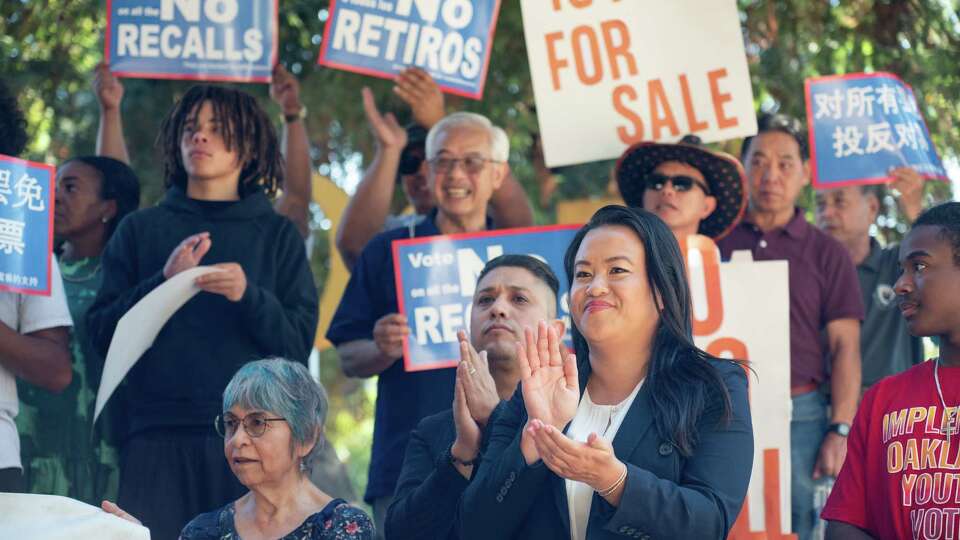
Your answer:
<point x="337" y="521"/>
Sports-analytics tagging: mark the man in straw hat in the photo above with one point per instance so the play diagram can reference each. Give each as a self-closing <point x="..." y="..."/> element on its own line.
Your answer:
<point x="692" y="189"/>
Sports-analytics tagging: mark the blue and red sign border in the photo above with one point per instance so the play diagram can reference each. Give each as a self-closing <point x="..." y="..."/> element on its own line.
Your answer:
<point x="322" y="59"/>
<point x="814" y="176"/>
<point x="198" y="76"/>
<point x="398" y="280"/>
<point x="49" y="248"/>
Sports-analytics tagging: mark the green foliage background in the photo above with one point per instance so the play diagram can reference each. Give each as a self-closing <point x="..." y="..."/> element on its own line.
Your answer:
<point x="48" y="49"/>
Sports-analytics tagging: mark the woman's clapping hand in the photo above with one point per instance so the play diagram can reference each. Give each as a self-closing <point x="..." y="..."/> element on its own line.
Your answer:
<point x="549" y="383"/>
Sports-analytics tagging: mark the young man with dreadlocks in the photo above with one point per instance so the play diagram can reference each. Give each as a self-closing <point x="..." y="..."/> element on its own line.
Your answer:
<point x="221" y="162"/>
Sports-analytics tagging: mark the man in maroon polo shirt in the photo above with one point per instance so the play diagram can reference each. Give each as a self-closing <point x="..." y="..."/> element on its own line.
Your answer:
<point x="825" y="307"/>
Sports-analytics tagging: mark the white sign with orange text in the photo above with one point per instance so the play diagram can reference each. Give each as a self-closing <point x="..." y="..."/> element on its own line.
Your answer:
<point x="741" y="309"/>
<point x="609" y="73"/>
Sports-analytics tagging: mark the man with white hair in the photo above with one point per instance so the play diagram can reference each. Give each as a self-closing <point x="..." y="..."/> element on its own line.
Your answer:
<point x="467" y="157"/>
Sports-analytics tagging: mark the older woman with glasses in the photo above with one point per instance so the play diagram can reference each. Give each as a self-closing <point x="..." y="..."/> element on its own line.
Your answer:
<point x="272" y="426"/>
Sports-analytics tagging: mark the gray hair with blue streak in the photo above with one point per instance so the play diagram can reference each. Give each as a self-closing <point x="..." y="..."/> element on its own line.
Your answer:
<point x="286" y="389"/>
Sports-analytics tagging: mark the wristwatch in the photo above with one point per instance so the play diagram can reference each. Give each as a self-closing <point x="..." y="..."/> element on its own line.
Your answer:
<point x="840" y="429"/>
<point x="299" y="115"/>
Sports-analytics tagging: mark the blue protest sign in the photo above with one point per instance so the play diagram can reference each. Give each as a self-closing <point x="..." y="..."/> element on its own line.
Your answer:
<point x="26" y="225"/>
<point x="210" y="40"/>
<point x="863" y="124"/>
<point x="449" y="39"/>
<point x="436" y="277"/>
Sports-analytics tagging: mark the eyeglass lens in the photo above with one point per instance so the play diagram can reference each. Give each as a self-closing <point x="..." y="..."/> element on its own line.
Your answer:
<point x="471" y="164"/>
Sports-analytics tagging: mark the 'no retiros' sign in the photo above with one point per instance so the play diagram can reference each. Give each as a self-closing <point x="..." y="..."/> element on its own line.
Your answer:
<point x="449" y="39"/>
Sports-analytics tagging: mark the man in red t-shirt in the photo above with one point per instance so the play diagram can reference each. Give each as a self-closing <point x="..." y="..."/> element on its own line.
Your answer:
<point x="901" y="478"/>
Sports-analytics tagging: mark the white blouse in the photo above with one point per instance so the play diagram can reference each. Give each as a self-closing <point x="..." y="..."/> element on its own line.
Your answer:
<point x="604" y="420"/>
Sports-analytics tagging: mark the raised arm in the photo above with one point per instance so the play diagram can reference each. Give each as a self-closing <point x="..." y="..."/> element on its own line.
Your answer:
<point x="509" y="205"/>
<point x="294" y="201"/>
<point x="367" y="210"/>
<point x="109" y="93"/>
<point x="909" y="183"/>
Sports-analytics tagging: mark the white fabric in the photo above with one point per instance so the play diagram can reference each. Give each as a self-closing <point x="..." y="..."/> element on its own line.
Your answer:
<point x="604" y="420"/>
<point x="24" y="314"/>
<point x="48" y="517"/>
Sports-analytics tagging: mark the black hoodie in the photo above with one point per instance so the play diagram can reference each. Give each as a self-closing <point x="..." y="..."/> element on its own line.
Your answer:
<point x="179" y="380"/>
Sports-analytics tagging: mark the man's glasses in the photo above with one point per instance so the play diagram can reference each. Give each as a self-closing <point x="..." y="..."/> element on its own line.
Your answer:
<point x="681" y="183"/>
<point x="255" y="424"/>
<point x="471" y="164"/>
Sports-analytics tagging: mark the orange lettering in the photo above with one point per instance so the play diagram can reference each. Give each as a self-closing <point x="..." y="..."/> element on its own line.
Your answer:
<point x="622" y="49"/>
<point x="694" y="124"/>
<point x="723" y="121"/>
<point x="625" y="90"/>
<point x="658" y="100"/>
<point x="711" y="275"/>
<point x="555" y="63"/>
<point x="580" y="32"/>
<point x="771" y="502"/>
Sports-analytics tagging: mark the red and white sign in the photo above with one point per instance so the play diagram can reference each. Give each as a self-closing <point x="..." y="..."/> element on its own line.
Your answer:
<point x="741" y="309"/>
<point x="609" y="73"/>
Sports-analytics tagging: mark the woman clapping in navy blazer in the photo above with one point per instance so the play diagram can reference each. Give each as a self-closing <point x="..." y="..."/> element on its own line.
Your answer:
<point x="646" y="436"/>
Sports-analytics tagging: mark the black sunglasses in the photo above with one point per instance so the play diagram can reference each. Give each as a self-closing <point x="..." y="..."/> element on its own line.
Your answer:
<point x="681" y="183"/>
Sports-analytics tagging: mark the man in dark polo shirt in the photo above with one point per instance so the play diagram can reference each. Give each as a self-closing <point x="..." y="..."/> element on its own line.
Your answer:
<point x="846" y="213"/>
<point x="467" y="162"/>
<point x="825" y="307"/>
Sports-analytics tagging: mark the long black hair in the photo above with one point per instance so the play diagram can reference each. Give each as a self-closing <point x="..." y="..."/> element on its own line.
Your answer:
<point x="245" y="127"/>
<point x="683" y="382"/>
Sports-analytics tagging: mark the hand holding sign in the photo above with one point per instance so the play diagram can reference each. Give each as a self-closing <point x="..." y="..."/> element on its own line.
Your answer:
<point x="416" y="87"/>
<point x="388" y="334"/>
<point x="230" y="282"/>
<point x="107" y="88"/>
<point x="285" y="90"/>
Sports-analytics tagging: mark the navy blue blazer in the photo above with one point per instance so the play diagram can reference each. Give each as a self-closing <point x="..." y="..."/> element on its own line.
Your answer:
<point x="666" y="495"/>
<point x="428" y="493"/>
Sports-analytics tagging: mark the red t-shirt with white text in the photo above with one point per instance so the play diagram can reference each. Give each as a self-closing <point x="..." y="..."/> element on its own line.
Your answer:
<point x="901" y="478"/>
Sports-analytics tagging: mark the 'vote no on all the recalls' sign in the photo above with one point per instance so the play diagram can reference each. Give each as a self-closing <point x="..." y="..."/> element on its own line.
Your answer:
<point x="211" y="40"/>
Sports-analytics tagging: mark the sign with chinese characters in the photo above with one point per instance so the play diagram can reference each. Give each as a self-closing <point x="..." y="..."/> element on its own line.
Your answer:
<point x="609" y="73"/>
<point x="210" y="40"/>
<point x="864" y="124"/>
<point x="26" y="225"/>
<point x="449" y="39"/>
<point x="436" y="277"/>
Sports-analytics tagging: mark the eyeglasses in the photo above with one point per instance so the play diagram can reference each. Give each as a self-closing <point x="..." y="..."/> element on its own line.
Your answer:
<point x="471" y="164"/>
<point x="681" y="183"/>
<point x="410" y="160"/>
<point x="255" y="424"/>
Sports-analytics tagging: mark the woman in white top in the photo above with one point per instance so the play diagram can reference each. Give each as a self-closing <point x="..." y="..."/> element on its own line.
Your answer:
<point x="645" y="436"/>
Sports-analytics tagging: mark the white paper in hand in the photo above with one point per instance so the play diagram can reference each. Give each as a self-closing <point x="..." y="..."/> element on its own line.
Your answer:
<point x="48" y="517"/>
<point x="139" y="327"/>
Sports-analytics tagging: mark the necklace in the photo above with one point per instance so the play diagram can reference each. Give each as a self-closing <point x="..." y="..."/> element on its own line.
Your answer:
<point x="947" y="430"/>
<point x="81" y="279"/>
